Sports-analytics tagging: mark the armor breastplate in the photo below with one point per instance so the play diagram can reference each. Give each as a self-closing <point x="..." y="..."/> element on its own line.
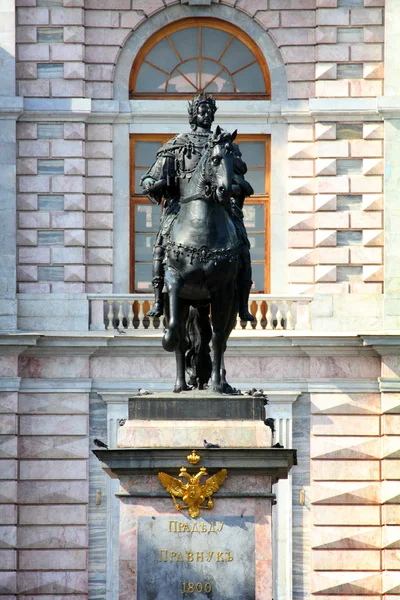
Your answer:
<point x="190" y="154"/>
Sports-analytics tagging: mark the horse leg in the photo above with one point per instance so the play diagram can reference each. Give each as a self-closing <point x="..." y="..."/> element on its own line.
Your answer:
<point x="171" y="337"/>
<point x="221" y="304"/>
<point x="180" y="382"/>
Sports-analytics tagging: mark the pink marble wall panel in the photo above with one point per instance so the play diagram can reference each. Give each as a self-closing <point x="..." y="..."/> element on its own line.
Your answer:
<point x="53" y="582"/>
<point x="267" y="367"/>
<point x="54" y="402"/>
<point x="8" y="582"/>
<point x="8" y="424"/>
<point x="163" y="434"/>
<point x="345" y="447"/>
<point x="59" y="537"/>
<point x="346" y="515"/>
<point x="53" y="469"/>
<point x="53" y="447"/>
<point x="8" y="514"/>
<point x="8" y="446"/>
<point x="339" y="560"/>
<point x="357" y="367"/>
<point x="53" y="425"/>
<point x="346" y="492"/>
<point x="391" y="366"/>
<point x="62" y="514"/>
<point x="8" y="536"/>
<point x="344" y="470"/>
<point x="134" y="367"/>
<point x="328" y="425"/>
<point x="353" y="537"/>
<point x="53" y="366"/>
<point x="8" y="366"/>
<point x="53" y="492"/>
<point x="8" y="402"/>
<point x="36" y="560"/>
<point x="8" y="491"/>
<point x="354" y="403"/>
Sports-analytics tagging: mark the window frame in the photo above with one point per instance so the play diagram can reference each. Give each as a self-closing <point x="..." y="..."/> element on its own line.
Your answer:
<point x="199" y="22"/>
<point x="139" y="198"/>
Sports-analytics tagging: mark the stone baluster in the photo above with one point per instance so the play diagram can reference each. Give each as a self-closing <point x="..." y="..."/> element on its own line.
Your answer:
<point x="279" y="315"/>
<point x="238" y="325"/>
<point x="289" y="315"/>
<point x="110" y="315"/>
<point x="151" y="319"/>
<point x="121" y="314"/>
<point x="259" y="314"/>
<point x="269" y="324"/>
<point x="141" y="314"/>
<point x="131" y="316"/>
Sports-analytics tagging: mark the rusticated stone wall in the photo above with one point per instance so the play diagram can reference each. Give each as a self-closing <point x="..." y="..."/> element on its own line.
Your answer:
<point x="332" y="50"/>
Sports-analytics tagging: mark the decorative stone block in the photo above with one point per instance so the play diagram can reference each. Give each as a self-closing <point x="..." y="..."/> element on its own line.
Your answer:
<point x="374" y="34"/>
<point x="53" y="469"/>
<point x="74" y="166"/>
<point x="26" y="166"/>
<point x="373" y="166"/>
<point x="343" y="470"/>
<point x="74" y="34"/>
<point x="365" y="256"/>
<point x="52" y="425"/>
<point x="369" y="183"/>
<point x="332" y="256"/>
<point x="63" y="514"/>
<point x="301" y="185"/>
<point x="27" y="237"/>
<point x="324" y="273"/>
<point x="54" y="492"/>
<point x="99" y="273"/>
<point x="329" y="220"/>
<point x="69" y="184"/>
<point x="99" y="256"/>
<point x="325" y="202"/>
<point x="99" y="132"/>
<point x="67" y="255"/>
<point x="66" y="16"/>
<point x="296" y="239"/>
<point x="332" y="149"/>
<point x="325" y="237"/>
<point x="301" y="256"/>
<point x="74" y="273"/>
<point x="365" y="148"/>
<point x="325" y="131"/>
<point x="325" y="71"/>
<point x="27" y="202"/>
<point x="38" y="88"/>
<point x="74" y="237"/>
<point x="27" y="70"/>
<point x="345" y="425"/>
<point x="335" y="89"/>
<point x="366" y="16"/>
<point x="74" y="70"/>
<point x="62" y="560"/>
<point x="298" y="168"/>
<point x="346" y="515"/>
<point x="67" y="220"/>
<point x="104" y="238"/>
<point x="98" y="149"/>
<point x="62" y="88"/>
<point x="50" y="582"/>
<point x="325" y="166"/>
<point x="74" y="202"/>
<point x="33" y="16"/>
<point x="334" y="16"/>
<point x="102" y="54"/>
<point x="31" y="149"/>
<point x="99" y="221"/>
<point x="301" y="203"/>
<point x="74" y="131"/>
<point x="34" y="255"/>
<point x="372" y="131"/>
<point x="366" y="220"/>
<point x="105" y="18"/>
<point x="348" y="560"/>
<point x="345" y="447"/>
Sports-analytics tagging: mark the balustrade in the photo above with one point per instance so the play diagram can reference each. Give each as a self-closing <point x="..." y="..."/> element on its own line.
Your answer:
<point x="128" y="312"/>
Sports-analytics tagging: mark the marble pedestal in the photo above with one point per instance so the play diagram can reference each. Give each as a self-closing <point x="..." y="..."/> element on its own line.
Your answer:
<point x="225" y="553"/>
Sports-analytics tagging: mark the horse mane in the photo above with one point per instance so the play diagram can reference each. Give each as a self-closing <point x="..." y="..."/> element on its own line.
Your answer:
<point x="221" y="137"/>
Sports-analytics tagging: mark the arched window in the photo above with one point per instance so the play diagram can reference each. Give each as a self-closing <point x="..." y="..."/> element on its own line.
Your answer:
<point x="200" y="54"/>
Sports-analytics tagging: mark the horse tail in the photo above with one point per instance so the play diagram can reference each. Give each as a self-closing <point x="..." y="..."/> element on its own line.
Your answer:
<point x="198" y="337"/>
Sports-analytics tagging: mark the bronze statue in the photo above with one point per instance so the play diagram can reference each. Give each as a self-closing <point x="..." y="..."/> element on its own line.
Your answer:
<point x="201" y="254"/>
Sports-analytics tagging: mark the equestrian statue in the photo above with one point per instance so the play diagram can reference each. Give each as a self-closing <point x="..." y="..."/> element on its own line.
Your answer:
<point x="201" y="256"/>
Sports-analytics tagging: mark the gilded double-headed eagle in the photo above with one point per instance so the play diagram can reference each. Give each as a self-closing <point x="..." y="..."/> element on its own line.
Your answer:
<point x="193" y="493"/>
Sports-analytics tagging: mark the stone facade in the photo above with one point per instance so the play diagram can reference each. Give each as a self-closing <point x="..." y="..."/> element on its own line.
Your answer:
<point x="65" y="121"/>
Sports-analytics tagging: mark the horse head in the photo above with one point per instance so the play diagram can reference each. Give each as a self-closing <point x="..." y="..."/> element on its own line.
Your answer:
<point x="220" y="164"/>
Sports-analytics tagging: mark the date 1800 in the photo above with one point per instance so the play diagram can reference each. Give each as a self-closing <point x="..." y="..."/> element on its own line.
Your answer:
<point x="199" y="587"/>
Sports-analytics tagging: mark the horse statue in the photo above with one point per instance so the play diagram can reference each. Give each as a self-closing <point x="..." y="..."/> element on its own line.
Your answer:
<point x="202" y="257"/>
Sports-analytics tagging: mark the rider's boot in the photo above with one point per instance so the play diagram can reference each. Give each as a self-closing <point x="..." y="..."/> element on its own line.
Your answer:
<point x="158" y="283"/>
<point x="244" y="291"/>
<point x="244" y="285"/>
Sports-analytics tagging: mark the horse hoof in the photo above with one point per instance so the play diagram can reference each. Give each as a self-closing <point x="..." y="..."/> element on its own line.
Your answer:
<point x="181" y="387"/>
<point x="218" y="388"/>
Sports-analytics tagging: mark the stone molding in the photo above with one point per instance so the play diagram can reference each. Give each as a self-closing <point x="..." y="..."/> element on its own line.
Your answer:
<point x="10" y="384"/>
<point x="11" y="107"/>
<point x="49" y="386"/>
<point x="174" y="111"/>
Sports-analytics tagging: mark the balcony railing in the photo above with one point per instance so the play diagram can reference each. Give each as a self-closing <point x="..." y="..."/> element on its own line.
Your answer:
<point x="128" y="312"/>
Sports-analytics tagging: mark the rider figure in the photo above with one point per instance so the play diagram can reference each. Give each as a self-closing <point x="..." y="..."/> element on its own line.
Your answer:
<point x="177" y="160"/>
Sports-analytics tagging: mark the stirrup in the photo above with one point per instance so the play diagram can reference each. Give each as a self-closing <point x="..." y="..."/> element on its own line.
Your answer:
<point x="245" y="315"/>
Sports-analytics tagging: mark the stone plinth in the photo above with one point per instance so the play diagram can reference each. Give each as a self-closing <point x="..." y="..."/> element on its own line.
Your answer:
<point x="225" y="552"/>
